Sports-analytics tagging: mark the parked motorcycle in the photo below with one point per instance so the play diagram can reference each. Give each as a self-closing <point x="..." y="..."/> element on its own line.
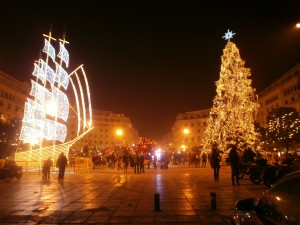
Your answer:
<point x="10" y="170"/>
<point x="257" y="170"/>
<point x="244" y="169"/>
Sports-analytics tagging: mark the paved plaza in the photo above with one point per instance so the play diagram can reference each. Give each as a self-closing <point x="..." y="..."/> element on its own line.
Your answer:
<point x="178" y="195"/>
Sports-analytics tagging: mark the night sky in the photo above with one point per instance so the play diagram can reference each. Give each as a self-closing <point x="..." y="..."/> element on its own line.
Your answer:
<point x="151" y="60"/>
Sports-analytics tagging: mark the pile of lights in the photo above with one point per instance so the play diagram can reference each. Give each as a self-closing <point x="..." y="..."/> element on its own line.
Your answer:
<point x="235" y="105"/>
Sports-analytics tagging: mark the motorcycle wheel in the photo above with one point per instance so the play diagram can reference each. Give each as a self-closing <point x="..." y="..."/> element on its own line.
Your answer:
<point x="255" y="179"/>
<point x="7" y="178"/>
<point x="19" y="176"/>
<point x="241" y="174"/>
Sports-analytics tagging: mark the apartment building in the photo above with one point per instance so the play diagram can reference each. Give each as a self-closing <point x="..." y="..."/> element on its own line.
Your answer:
<point x="188" y="129"/>
<point x="110" y="129"/>
<point x="284" y="92"/>
<point x="13" y="94"/>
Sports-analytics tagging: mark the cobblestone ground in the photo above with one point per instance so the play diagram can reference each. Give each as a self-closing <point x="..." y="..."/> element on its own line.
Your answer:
<point x="177" y="195"/>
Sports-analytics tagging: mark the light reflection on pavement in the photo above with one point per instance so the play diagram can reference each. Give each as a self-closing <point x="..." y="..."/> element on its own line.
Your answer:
<point x="105" y="196"/>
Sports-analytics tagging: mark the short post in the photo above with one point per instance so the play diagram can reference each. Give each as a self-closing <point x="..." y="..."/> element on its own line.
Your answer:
<point x="213" y="201"/>
<point x="156" y="202"/>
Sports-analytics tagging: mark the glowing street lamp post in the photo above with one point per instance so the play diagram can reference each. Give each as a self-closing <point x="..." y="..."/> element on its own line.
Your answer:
<point x="186" y="131"/>
<point x="120" y="133"/>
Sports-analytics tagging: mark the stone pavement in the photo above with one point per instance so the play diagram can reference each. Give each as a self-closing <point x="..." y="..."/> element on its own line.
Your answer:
<point x="178" y="195"/>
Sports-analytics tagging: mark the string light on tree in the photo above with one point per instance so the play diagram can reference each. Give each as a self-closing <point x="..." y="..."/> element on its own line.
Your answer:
<point x="235" y="105"/>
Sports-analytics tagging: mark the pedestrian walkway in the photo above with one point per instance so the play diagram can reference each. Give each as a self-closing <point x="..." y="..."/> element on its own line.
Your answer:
<point x="178" y="195"/>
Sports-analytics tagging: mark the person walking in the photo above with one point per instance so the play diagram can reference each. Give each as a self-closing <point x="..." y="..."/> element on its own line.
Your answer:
<point x="234" y="160"/>
<point x="215" y="159"/>
<point x="61" y="164"/>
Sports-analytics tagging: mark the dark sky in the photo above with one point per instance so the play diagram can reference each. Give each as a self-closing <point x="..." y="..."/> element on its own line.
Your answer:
<point x="152" y="59"/>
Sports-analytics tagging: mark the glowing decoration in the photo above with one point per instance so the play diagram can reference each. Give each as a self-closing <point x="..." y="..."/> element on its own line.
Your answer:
<point x="235" y="105"/>
<point x="228" y="35"/>
<point x="62" y="103"/>
<point x="48" y="72"/>
<point x="62" y="77"/>
<point x="63" y="54"/>
<point x="77" y="105"/>
<point x="55" y="131"/>
<point x="40" y="93"/>
<point x="47" y="109"/>
<point x="48" y="48"/>
<point x="38" y="72"/>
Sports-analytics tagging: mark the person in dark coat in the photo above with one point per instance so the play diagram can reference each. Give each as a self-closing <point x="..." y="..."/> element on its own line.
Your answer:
<point x="215" y="159"/>
<point x="61" y="164"/>
<point x="46" y="169"/>
<point x="248" y="155"/>
<point x="234" y="160"/>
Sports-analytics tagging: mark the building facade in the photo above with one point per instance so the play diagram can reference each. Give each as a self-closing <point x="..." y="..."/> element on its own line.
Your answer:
<point x="110" y="129"/>
<point x="13" y="94"/>
<point x="284" y="92"/>
<point x="188" y="129"/>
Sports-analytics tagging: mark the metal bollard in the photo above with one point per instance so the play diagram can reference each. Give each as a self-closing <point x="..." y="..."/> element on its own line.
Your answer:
<point x="213" y="201"/>
<point x="156" y="202"/>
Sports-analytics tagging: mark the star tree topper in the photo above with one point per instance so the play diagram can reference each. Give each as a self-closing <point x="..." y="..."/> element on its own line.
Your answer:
<point x="228" y="35"/>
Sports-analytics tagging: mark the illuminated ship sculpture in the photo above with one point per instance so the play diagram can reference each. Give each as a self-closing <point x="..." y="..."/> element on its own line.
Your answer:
<point x="44" y="126"/>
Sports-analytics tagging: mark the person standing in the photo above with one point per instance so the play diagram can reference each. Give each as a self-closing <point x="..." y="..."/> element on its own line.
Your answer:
<point x="234" y="160"/>
<point x="215" y="159"/>
<point x="46" y="169"/>
<point x="204" y="159"/>
<point x="61" y="164"/>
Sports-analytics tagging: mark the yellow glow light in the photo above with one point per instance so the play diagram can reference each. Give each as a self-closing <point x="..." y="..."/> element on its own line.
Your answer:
<point x="119" y="132"/>
<point x="186" y="131"/>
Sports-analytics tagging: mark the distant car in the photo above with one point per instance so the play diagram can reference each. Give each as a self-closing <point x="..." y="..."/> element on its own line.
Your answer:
<point x="278" y="205"/>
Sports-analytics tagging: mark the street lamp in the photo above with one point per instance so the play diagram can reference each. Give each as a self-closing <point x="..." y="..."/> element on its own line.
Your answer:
<point x="119" y="132"/>
<point x="186" y="131"/>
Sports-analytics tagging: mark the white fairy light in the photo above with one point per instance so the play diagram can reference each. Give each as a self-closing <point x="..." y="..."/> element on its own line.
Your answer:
<point x="45" y="115"/>
<point x="62" y="76"/>
<point x="40" y="93"/>
<point x="49" y="50"/>
<point x="39" y="73"/>
<point x="77" y="105"/>
<point x="63" y="54"/>
<point x="82" y="99"/>
<point x="55" y="131"/>
<point x="48" y="71"/>
<point x="88" y="95"/>
<point x="62" y="103"/>
<point x="33" y="123"/>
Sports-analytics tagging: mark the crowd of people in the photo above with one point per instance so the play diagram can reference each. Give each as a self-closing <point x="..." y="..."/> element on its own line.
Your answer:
<point x="139" y="162"/>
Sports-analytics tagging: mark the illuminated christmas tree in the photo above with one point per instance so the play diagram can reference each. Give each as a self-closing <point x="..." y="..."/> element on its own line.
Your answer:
<point x="235" y="105"/>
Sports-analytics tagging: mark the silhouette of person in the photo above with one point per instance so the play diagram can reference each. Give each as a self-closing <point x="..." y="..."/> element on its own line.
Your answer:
<point x="46" y="169"/>
<point x="61" y="164"/>
<point x="234" y="160"/>
<point x="215" y="159"/>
